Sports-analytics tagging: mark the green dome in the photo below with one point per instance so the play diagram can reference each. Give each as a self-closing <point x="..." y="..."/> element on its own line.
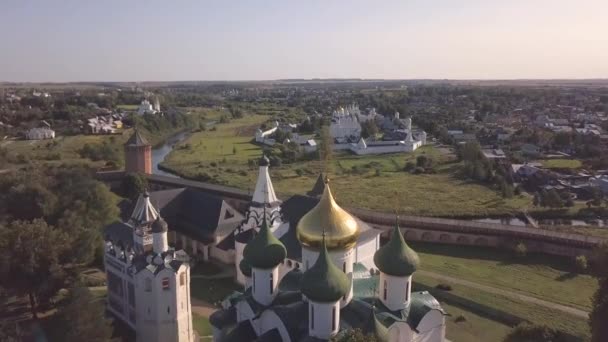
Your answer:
<point x="264" y="250"/>
<point x="245" y="267"/>
<point x="324" y="282"/>
<point x="396" y="258"/>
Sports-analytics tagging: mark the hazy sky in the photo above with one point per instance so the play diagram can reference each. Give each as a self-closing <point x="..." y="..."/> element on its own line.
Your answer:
<point x="132" y="40"/>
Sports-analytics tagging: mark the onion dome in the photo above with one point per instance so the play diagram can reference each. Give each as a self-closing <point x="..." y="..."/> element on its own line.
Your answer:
<point x="264" y="250"/>
<point x="341" y="229"/>
<point x="245" y="267"/>
<point x="159" y="226"/>
<point x="324" y="282"/>
<point x="264" y="161"/>
<point x="396" y="258"/>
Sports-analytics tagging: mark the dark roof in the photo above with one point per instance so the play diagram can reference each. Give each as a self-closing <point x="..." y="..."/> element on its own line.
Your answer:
<point x="244" y="237"/>
<point x="317" y="189"/>
<point x="324" y="282"/>
<point x="396" y="258"/>
<point x="119" y="232"/>
<point x="295" y="318"/>
<point x="242" y="332"/>
<point x="223" y="318"/>
<point x="191" y="212"/>
<point x="292" y="211"/>
<point x="264" y="250"/>
<point x="271" y="335"/>
<point x="137" y="139"/>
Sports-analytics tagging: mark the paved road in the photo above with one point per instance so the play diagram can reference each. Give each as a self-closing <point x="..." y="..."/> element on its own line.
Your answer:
<point x="524" y="298"/>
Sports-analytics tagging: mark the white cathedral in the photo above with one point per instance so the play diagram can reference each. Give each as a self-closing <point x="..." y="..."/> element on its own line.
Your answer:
<point x="310" y="270"/>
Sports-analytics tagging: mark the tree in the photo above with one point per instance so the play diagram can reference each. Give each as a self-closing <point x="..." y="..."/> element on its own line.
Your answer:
<point x="85" y="317"/>
<point x="526" y="332"/>
<point x="327" y="148"/>
<point x="551" y="199"/>
<point x="369" y="129"/>
<point x="133" y="185"/>
<point x="599" y="312"/>
<point x="355" y="335"/>
<point x="29" y="260"/>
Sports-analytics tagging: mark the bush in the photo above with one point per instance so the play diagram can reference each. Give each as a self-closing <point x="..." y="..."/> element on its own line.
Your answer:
<point x="460" y="318"/>
<point x="299" y="172"/>
<point x="378" y="172"/>
<point x="581" y="263"/>
<point x="444" y="287"/>
<point x="419" y="170"/>
<point x="526" y="332"/>
<point x="520" y="250"/>
<point x="214" y="164"/>
<point x="409" y="166"/>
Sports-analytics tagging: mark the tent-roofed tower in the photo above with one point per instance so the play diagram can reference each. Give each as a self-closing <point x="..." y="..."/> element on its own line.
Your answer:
<point x="396" y="262"/>
<point x="138" y="154"/>
<point x="264" y="197"/>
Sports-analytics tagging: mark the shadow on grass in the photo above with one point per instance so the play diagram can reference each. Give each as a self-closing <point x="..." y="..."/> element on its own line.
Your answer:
<point x="502" y="257"/>
<point x="566" y="276"/>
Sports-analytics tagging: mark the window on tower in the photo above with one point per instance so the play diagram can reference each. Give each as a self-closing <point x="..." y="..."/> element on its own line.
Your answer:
<point x="148" y="284"/>
<point x="407" y="291"/>
<point x="333" y="318"/>
<point x="385" y="291"/>
<point x="271" y="283"/>
<point x="182" y="279"/>
<point x="312" y="317"/>
<point x="165" y="283"/>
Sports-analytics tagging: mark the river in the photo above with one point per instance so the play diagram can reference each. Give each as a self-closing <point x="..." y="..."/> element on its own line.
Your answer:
<point x="159" y="153"/>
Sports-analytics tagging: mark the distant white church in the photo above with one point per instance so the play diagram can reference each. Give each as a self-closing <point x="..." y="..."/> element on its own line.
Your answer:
<point x="147" y="108"/>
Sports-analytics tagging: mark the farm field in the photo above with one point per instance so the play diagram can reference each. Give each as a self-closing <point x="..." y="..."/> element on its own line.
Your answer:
<point x="562" y="163"/>
<point x="375" y="182"/>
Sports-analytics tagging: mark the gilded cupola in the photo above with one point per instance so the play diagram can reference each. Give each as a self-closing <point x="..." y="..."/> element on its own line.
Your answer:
<point x="340" y="227"/>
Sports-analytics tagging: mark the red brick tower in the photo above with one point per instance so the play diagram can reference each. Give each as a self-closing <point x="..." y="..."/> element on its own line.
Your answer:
<point x="138" y="154"/>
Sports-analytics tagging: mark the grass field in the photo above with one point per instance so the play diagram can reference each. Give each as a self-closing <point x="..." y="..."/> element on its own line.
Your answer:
<point x="473" y="328"/>
<point x="213" y="291"/>
<point x="562" y="163"/>
<point x="546" y="277"/>
<point x="209" y="156"/>
<point x="202" y="326"/>
<point x="483" y="301"/>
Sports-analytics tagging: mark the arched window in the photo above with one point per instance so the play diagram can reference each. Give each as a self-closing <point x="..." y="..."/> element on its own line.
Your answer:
<point x="148" y="284"/>
<point x="333" y="318"/>
<point x="407" y="291"/>
<point x="253" y="280"/>
<point x="307" y="264"/>
<point x="385" y="290"/>
<point x="344" y="267"/>
<point x="271" y="282"/>
<point x="312" y="317"/>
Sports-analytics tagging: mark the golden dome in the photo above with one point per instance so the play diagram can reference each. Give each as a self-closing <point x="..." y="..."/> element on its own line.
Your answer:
<point x="342" y="230"/>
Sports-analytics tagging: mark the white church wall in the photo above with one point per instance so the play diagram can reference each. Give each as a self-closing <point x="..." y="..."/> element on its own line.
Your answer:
<point x="323" y="319"/>
<point x="364" y="251"/>
<point x="394" y="292"/>
<point x="238" y="256"/>
<point x="265" y="284"/>
<point x="243" y="311"/>
<point x="432" y="327"/>
<point x="227" y="257"/>
<point x="401" y="332"/>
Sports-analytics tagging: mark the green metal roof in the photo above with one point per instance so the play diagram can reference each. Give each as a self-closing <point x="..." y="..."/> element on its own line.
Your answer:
<point x="245" y="267"/>
<point x="324" y="282"/>
<point x="396" y="258"/>
<point x="264" y="250"/>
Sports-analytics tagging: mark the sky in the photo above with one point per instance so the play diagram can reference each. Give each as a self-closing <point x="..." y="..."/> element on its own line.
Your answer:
<point x="153" y="40"/>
